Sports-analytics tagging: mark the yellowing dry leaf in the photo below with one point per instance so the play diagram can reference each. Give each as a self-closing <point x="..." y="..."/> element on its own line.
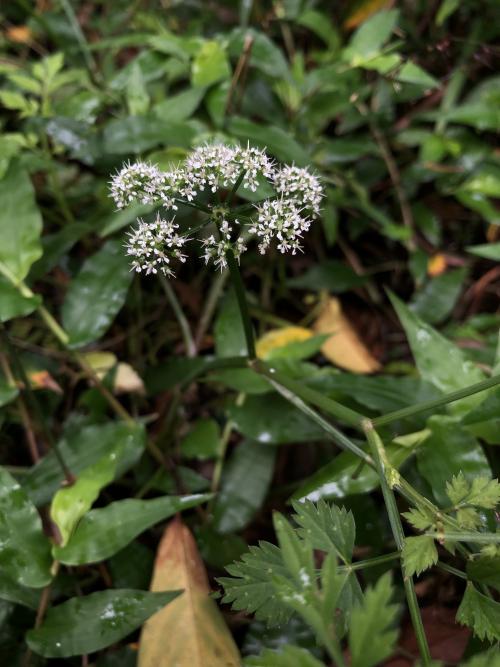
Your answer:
<point x="344" y="348"/>
<point x="190" y="631"/>
<point x="19" y="33"/>
<point x="436" y="265"/>
<point x="277" y="338"/>
<point x="126" y="378"/>
<point x="364" y="11"/>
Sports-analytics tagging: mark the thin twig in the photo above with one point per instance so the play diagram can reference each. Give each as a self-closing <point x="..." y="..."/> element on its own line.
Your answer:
<point x="238" y="72"/>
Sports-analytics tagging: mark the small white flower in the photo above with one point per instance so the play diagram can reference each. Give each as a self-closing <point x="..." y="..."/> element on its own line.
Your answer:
<point x="254" y="163"/>
<point x="144" y="183"/>
<point x="212" y="166"/>
<point x="300" y="186"/>
<point x="280" y="219"/>
<point x="152" y="246"/>
<point x="215" y="250"/>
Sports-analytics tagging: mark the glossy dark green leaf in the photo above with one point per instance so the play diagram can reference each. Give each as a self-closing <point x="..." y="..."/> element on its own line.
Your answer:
<point x="330" y="275"/>
<point x="13" y="303"/>
<point x="96" y="294"/>
<point x="7" y="393"/>
<point x="273" y="420"/>
<point x="89" y="623"/>
<point x="103" y="532"/>
<point x="82" y="447"/>
<point x="265" y="55"/>
<point x="218" y="550"/>
<point x="438" y="297"/>
<point x="20" y="223"/>
<point x="228" y="329"/>
<point x="203" y="440"/>
<point x="245" y="482"/>
<point x="55" y="245"/>
<point x="14" y="592"/>
<point x="480" y="613"/>
<point x="174" y="371"/>
<point x="132" y="567"/>
<point x="485" y="570"/>
<point x="438" y="360"/>
<point x="484" y="420"/>
<point x="136" y="134"/>
<point x="448" y="450"/>
<point x="344" y="476"/>
<point x="24" y="548"/>
<point x="277" y="142"/>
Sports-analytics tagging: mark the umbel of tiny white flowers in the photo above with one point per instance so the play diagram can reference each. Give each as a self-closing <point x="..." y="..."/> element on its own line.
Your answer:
<point x="215" y="167"/>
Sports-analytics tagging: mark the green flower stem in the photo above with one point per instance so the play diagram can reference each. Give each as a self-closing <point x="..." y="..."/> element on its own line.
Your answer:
<point x="370" y="562"/>
<point x="239" y="288"/>
<point x="452" y="570"/>
<point x="378" y="453"/>
<point x="462" y="536"/>
<point x="311" y="396"/>
<point x="192" y="204"/>
<point x="436" y="403"/>
<point x="189" y="343"/>
<point x="337" y="436"/>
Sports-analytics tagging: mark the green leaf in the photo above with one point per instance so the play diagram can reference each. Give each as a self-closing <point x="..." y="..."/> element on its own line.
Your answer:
<point x="297" y="554"/>
<point x="203" y="440"/>
<point x="480" y="613"/>
<point x="330" y="275"/>
<point x="448" y="450"/>
<point x="371" y="36"/>
<point x="437" y="299"/>
<point x="419" y="518"/>
<point x="265" y="55"/>
<point x="179" y="107"/>
<point x="371" y="637"/>
<point x="250" y="586"/>
<point x="13" y="592"/>
<point x="89" y="623"/>
<point x="96" y="294"/>
<point x="228" y="329"/>
<point x="486" y="250"/>
<point x="480" y="491"/>
<point x="485" y="570"/>
<point x="411" y="73"/>
<point x="289" y="656"/>
<point x="24" y="549"/>
<point x="273" y="420"/>
<point x="419" y="554"/>
<point x="71" y="502"/>
<point x="446" y="9"/>
<point x="327" y="526"/>
<point x="277" y="142"/>
<point x="210" y="65"/>
<point x="81" y="448"/>
<point x="137" y="134"/>
<point x="245" y="482"/>
<point x="438" y="360"/>
<point x="7" y="393"/>
<point x="20" y="223"/>
<point x="13" y="303"/>
<point x="490" y="658"/>
<point x="103" y="532"/>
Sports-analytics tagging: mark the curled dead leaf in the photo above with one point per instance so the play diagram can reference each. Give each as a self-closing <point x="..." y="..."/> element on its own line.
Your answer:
<point x="344" y="347"/>
<point x="190" y="631"/>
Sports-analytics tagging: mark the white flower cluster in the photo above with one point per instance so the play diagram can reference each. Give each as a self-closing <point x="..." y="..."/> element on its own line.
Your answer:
<point x="213" y="167"/>
<point x="216" y="250"/>
<point x="152" y="245"/>
<point x="280" y="219"/>
<point x="300" y="186"/>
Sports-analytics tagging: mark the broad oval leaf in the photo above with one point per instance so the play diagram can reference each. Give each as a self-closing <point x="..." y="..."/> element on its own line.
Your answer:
<point x="191" y="632"/>
<point x="20" y="223"/>
<point x="81" y="448"/>
<point x="13" y="303"/>
<point x="96" y="294"/>
<point x="24" y="550"/>
<point x="87" y="624"/>
<point x="103" y="532"/>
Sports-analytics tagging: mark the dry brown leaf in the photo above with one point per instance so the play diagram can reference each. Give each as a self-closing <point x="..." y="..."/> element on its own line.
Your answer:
<point x="190" y="631"/>
<point x="344" y="348"/>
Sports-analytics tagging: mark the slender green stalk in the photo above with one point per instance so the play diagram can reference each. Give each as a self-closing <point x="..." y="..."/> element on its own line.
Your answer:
<point x="210" y="305"/>
<point x="480" y="538"/>
<point x="334" y="434"/>
<point x="452" y="570"/>
<point x="239" y="288"/>
<point x="370" y="562"/>
<point x="189" y="343"/>
<point x="436" y="403"/>
<point x="311" y="396"/>
<point x="378" y="452"/>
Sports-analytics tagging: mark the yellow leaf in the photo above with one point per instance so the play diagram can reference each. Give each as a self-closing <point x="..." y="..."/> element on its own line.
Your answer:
<point x="100" y="362"/>
<point x="190" y="631"/>
<point x="126" y="378"/>
<point x="436" y="265"/>
<point x="366" y="9"/>
<point x="344" y="348"/>
<point x="19" y="33"/>
<point x="277" y="338"/>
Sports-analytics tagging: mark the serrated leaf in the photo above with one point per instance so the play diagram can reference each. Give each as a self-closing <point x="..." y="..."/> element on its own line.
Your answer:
<point x="89" y="623"/>
<point x="103" y="532"/>
<point x="191" y="631"/>
<point x="290" y="656"/>
<point x="297" y="554"/>
<point x="485" y="570"/>
<point x="457" y="489"/>
<point x="327" y="527"/>
<point x="419" y="554"/>
<point x="480" y="492"/>
<point x="419" y="518"/>
<point x="490" y="658"/>
<point x="371" y="637"/>
<point x="480" y="613"/>
<point x="250" y="586"/>
<point x="71" y="502"/>
<point x="24" y="549"/>
<point x="468" y="518"/>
